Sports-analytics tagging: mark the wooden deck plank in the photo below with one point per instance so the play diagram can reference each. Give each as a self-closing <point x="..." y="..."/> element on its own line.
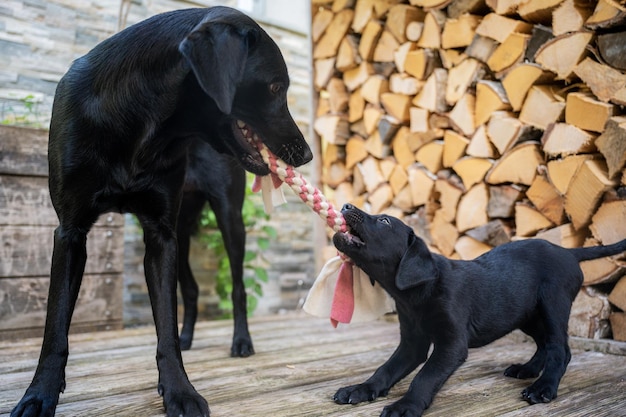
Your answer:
<point x="300" y="363"/>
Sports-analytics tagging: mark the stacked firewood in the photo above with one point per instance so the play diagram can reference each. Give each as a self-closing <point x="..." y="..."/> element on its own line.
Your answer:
<point x="482" y="121"/>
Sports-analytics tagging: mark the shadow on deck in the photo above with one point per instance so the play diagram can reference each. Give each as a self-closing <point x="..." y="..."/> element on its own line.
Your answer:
<point x="300" y="363"/>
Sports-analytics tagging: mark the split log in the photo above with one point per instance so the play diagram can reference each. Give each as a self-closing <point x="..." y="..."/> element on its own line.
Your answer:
<point x="590" y="315"/>
<point x="373" y="88"/>
<point x="401" y="150"/>
<point x="348" y="54"/>
<point x="546" y="198"/>
<point x="518" y="80"/>
<point x="398" y="179"/>
<point x="460" y="78"/>
<point x="499" y="28"/>
<point x="561" y="54"/>
<point x="607" y="13"/>
<point x="337" y="96"/>
<point x="472" y="209"/>
<point x="401" y="53"/>
<point x="601" y="270"/>
<point x="370" y="171"/>
<point x="454" y="146"/>
<point x="605" y="224"/>
<point x="562" y="139"/>
<point x="404" y="84"/>
<point x="612" y="49"/>
<point x="494" y="233"/>
<point x="448" y="197"/>
<point x="421" y="185"/>
<point x="431" y="33"/>
<point x="458" y="32"/>
<point x="355" y="151"/>
<point x="490" y="97"/>
<point x="356" y="106"/>
<point x="321" y="20"/>
<point x="369" y="39"/>
<point x="618" y="326"/>
<point x="444" y="235"/>
<point x="333" y="129"/>
<point x="504" y="7"/>
<point x="504" y="130"/>
<point x="419" y="63"/>
<point x="355" y="77"/>
<point x="385" y="48"/>
<point x="509" y="52"/>
<point x="604" y="81"/>
<point x="462" y="115"/>
<point x="397" y="106"/>
<point x="324" y="69"/>
<point x="585" y="190"/>
<point x="564" y="235"/>
<point x="328" y="43"/>
<point x="612" y="145"/>
<point x="430" y="155"/>
<point x="502" y="200"/>
<point x="542" y="106"/>
<point x="433" y="94"/>
<point x="399" y="17"/>
<point x="583" y="111"/>
<point x="529" y="220"/>
<point x="380" y="198"/>
<point x="480" y="146"/>
<point x="561" y="171"/>
<point x="469" y="248"/>
<point x="519" y="165"/>
<point x="538" y="11"/>
<point x="419" y="119"/>
<point x="371" y="117"/>
<point x="570" y="16"/>
<point x="472" y="170"/>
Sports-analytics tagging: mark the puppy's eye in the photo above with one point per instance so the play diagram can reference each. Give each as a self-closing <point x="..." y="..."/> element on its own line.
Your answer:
<point x="275" y="88"/>
<point x="385" y="221"/>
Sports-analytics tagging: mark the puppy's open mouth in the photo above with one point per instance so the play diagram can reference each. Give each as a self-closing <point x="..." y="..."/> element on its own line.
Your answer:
<point x="349" y="238"/>
<point x="249" y="143"/>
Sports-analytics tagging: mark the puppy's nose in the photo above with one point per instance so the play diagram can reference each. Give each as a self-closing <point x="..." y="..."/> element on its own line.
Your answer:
<point x="347" y="206"/>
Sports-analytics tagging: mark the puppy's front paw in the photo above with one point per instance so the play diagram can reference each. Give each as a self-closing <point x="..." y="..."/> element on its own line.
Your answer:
<point x="402" y="408"/>
<point x="539" y="392"/>
<point x="241" y="347"/>
<point x="521" y="371"/>
<point x="355" y="394"/>
<point x="187" y="403"/>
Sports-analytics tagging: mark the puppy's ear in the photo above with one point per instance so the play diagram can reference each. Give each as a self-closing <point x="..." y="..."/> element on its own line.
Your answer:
<point x="217" y="53"/>
<point x="416" y="266"/>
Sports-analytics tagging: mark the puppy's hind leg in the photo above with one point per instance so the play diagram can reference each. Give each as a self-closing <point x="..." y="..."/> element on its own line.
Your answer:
<point x="557" y="353"/>
<point x="533" y="367"/>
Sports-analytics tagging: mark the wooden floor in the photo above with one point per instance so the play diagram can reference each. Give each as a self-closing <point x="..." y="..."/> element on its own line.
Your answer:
<point x="300" y="362"/>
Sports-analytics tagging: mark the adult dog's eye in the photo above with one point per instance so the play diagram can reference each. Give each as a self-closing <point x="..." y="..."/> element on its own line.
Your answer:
<point x="275" y="88"/>
<point x="385" y="221"/>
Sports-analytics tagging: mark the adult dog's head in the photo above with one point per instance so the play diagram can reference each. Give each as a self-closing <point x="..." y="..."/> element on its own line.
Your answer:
<point x="386" y="249"/>
<point x="242" y="69"/>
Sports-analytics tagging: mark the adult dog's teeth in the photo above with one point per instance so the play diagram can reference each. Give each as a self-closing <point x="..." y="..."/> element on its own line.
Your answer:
<point x="241" y="124"/>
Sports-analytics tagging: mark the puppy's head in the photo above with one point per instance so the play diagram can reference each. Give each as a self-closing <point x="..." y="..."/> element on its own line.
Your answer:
<point x="242" y="69"/>
<point x="386" y="249"/>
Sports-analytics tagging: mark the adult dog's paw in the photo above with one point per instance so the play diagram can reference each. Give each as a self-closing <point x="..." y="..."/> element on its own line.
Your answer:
<point x="521" y="371"/>
<point x="241" y="347"/>
<point x="184" y="403"/>
<point x="37" y="402"/>
<point x="402" y="408"/>
<point x="355" y="394"/>
<point x="539" y="392"/>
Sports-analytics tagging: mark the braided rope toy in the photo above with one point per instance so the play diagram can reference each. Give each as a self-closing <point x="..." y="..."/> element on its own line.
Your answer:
<point x="341" y="291"/>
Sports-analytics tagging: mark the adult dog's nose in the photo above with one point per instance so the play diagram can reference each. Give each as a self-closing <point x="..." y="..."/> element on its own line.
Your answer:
<point x="347" y="206"/>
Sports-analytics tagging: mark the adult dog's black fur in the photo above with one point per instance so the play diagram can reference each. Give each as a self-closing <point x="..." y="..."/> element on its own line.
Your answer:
<point x="456" y="305"/>
<point x="219" y="180"/>
<point x="122" y="121"/>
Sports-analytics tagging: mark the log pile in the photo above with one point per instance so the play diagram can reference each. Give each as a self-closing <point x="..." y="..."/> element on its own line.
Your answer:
<point x="479" y="122"/>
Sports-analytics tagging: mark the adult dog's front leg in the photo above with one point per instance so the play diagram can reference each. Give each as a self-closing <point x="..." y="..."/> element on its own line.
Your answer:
<point x="404" y="360"/>
<point x="179" y="396"/>
<point x="68" y="264"/>
<point x="436" y="371"/>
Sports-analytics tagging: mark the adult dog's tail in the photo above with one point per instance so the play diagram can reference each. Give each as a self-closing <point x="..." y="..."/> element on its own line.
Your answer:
<point x="585" y="254"/>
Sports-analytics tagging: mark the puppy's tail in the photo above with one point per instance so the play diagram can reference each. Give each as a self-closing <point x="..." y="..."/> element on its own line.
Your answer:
<point x="585" y="254"/>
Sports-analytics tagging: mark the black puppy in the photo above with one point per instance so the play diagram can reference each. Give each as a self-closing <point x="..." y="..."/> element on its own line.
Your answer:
<point x="219" y="180"/>
<point x="122" y="121"/>
<point x="456" y="305"/>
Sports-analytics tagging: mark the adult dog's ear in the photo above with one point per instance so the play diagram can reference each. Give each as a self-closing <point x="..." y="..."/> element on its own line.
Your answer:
<point x="217" y="53"/>
<point x="416" y="266"/>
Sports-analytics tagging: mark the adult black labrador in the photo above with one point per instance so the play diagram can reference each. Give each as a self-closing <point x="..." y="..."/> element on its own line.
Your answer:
<point x="456" y="305"/>
<point x="219" y="180"/>
<point x="122" y="121"/>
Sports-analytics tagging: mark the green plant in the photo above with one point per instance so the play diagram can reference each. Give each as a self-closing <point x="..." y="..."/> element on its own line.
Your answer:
<point x="255" y="272"/>
<point x="28" y="116"/>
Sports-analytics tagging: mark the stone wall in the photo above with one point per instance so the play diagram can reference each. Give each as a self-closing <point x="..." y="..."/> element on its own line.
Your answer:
<point x="39" y="40"/>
